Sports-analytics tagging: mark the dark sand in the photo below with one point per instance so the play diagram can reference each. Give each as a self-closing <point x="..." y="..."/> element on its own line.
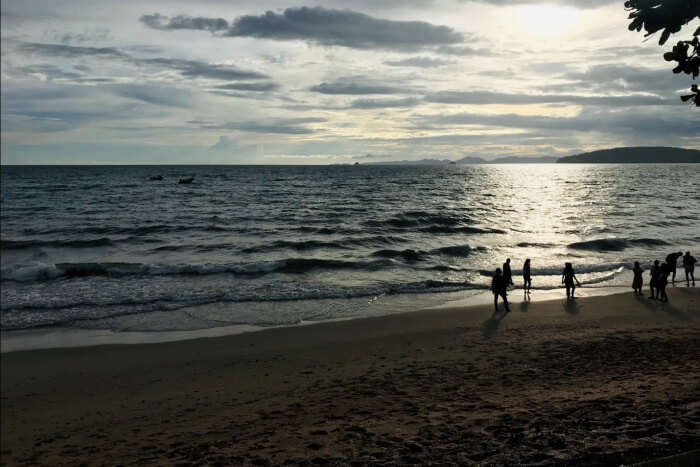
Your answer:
<point x="599" y="381"/>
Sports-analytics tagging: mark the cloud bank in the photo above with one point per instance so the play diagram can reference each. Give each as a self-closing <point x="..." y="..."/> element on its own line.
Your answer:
<point x="321" y="26"/>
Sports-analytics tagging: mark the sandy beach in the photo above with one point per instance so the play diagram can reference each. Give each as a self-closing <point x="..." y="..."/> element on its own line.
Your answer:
<point x="597" y="381"/>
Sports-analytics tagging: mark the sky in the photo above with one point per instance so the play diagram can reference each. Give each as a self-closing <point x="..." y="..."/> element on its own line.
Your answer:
<point x="271" y="82"/>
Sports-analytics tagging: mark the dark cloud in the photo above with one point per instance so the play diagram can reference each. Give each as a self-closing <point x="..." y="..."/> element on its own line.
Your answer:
<point x="87" y="36"/>
<point x="154" y="94"/>
<point x="344" y="28"/>
<point x="354" y="87"/>
<point x="320" y="26"/>
<point x="613" y="77"/>
<point x="421" y="62"/>
<point x="197" y="69"/>
<point x="488" y="97"/>
<point x="90" y="80"/>
<point x="48" y="106"/>
<point x="64" y="50"/>
<point x="462" y="51"/>
<point x="612" y="122"/>
<point x="49" y="72"/>
<point x="158" y="21"/>
<point x="256" y="87"/>
<point x="384" y="103"/>
<point x="186" y="68"/>
<point x="288" y="126"/>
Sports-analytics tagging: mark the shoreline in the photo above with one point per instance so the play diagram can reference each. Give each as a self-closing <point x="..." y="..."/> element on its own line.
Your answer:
<point x="60" y="337"/>
<point x="595" y="381"/>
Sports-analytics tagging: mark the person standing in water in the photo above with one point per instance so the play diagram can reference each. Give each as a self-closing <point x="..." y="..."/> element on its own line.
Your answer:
<point x="689" y="266"/>
<point x="499" y="286"/>
<point x="527" y="278"/>
<point x="653" y="289"/>
<point x="662" y="273"/>
<point x="507" y="273"/>
<point x="568" y="278"/>
<point x="671" y="261"/>
<point x="637" y="282"/>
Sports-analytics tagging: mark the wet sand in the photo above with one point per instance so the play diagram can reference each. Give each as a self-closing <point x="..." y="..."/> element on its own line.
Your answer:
<point x="598" y="381"/>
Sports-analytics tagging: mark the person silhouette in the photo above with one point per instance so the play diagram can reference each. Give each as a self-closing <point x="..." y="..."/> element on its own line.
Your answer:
<point x="527" y="277"/>
<point x="689" y="266"/>
<point x="507" y="273"/>
<point x="567" y="278"/>
<point x="672" y="260"/>
<point x="499" y="286"/>
<point x="637" y="282"/>
<point x="653" y="274"/>
<point x="662" y="274"/>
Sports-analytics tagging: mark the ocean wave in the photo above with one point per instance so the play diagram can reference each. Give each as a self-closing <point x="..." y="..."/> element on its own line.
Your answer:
<point x="615" y="244"/>
<point x="557" y="271"/>
<point x="43" y="272"/>
<point x="81" y="312"/>
<point x="535" y="245"/>
<point x="461" y="229"/>
<point x="340" y="244"/>
<point x="24" y="244"/>
<point x="407" y="255"/>
<point x="136" y="231"/>
<point x="457" y="250"/>
<point x="427" y="222"/>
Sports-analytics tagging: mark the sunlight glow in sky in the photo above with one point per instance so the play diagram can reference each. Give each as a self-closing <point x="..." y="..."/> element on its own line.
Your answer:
<point x="546" y="20"/>
<point x="267" y="81"/>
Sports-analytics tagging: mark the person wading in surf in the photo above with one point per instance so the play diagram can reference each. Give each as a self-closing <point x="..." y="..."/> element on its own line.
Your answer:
<point x="689" y="266"/>
<point x="637" y="282"/>
<point x="672" y="262"/>
<point x="567" y="278"/>
<point x="507" y="273"/>
<point x="653" y="289"/>
<point x="527" y="277"/>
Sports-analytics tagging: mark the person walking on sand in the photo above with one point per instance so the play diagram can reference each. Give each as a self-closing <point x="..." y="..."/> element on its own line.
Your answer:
<point x="672" y="261"/>
<point x="637" y="282"/>
<point x="653" y="273"/>
<point x="507" y="273"/>
<point x="499" y="286"/>
<point x="689" y="266"/>
<point x="567" y="278"/>
<point x="661" y="280"/>
<point x="527" y="277"/>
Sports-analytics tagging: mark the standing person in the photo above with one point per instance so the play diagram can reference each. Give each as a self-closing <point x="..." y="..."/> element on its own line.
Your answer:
<point x="689" y="266"/>
<point x="653" y="273"/>
<point x="567" y="278"/>
<point x="671" y="261"/>
<point x="507" y="273"/>
<point x="661" y="280"/>
<point x="637" y="282"/>
<point x="527" y="277"/>
<point x="499" y="286"/>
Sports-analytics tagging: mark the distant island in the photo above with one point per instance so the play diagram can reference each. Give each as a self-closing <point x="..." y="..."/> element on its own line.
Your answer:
<point x="638" y="155"/>
<point x="472" y="160"/>
<point x="632" y="155"/>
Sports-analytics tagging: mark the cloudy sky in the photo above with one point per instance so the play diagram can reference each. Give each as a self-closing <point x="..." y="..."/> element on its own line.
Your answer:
<point x="269" y="82"/>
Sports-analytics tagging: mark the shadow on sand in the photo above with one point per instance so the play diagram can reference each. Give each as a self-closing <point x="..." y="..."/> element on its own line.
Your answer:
<point x="664" y="307"/>
<point x="525" y="304"/>
<point x="490" y="326"/>
<point x="571" y="307"/>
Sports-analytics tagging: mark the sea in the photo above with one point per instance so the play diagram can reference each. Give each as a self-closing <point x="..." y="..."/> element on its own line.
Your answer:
<point x="107" y="248"/>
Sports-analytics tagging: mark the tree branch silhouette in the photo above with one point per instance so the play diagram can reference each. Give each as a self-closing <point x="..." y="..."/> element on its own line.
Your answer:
<point x="670" y="16"/>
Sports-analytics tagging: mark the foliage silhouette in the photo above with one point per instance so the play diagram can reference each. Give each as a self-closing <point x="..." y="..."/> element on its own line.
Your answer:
<point x="670" y="16"/>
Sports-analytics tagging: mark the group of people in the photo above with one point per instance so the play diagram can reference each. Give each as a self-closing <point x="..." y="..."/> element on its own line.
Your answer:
<point x="503" y="278"/>
<point x="659" y="273"/>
